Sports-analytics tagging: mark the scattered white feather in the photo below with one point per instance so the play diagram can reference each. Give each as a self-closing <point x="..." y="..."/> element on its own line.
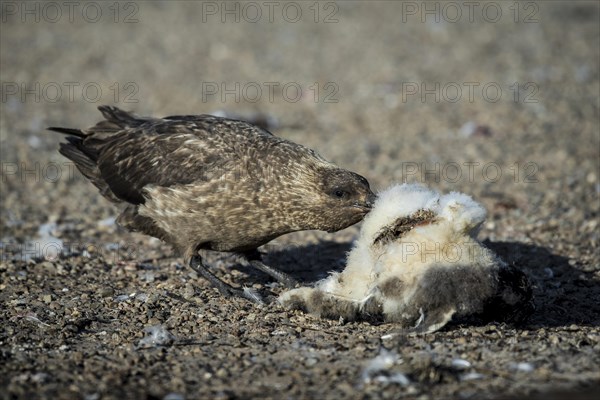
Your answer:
<point x="522" y="367"/>
<point x="156" y="335"/>
<point x="107" y="222"/>
<point x="252" y="295"/>
<point x="122" y="297"/>
<point x="377" y="369"/>
<point x="471" y="376"/>
<point x="46" y="246"/>
<point x="47" y="230"/>
<point x="459" y="363"/>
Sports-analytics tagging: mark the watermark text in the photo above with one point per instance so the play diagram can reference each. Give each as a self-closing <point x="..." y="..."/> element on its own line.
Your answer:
<point x="470" y="11"/>
<point x="252" y="92"/>
<point x="269" y="11"/>
<point x="54" y="92"/>
<point x="71" y="11"/>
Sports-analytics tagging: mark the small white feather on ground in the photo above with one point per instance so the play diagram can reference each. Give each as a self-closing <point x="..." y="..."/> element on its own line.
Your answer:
<point x="416" y="262"/>
<point x="156" y="335"/>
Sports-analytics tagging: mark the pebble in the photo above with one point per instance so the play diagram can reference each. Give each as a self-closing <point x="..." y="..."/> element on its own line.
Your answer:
<point x="106" y="291"/>
<point x="591" y="178"/>
<point x="222" y="373"/>
<point x="174" y="396"/>
<point x="189" y="291"/>
<point x="310" y="362"/>
<point x="49" y="267"/>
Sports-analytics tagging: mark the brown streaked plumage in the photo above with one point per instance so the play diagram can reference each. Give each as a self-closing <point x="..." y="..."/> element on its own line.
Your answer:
<point x="201" y="182"/>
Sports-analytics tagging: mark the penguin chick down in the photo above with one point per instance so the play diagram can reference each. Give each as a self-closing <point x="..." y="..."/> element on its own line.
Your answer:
<point x="417" y="263"/>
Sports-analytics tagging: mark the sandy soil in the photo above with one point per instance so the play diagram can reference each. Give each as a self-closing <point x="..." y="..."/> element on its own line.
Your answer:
<point x="380" y="95"/>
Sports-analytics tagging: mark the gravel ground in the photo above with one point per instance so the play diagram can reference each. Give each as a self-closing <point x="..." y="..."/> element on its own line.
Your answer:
<point x="116" y="315"/>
